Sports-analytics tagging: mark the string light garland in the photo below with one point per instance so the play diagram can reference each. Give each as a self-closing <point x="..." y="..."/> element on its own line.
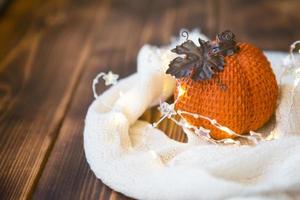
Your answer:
<point x="168" y="111"/>
<point x="293" y="68"/>
<point x="109" y="78"/>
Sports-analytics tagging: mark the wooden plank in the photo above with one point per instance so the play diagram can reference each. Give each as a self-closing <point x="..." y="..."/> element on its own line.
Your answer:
<point x="22" y="15"/>
<point x="14" y="22"/>
<point x="267" y="24"/>
<point x="115" y="45"/>
<point x="37" y="81"/>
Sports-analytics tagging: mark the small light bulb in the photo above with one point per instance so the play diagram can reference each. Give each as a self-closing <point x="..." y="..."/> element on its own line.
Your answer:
<point x="153" y="153"/>
<point x="196" y="116"/>
<point x="181" y="91"/>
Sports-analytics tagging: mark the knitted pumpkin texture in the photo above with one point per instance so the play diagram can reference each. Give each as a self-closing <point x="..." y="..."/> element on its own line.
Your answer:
<point x="230" y="82"/>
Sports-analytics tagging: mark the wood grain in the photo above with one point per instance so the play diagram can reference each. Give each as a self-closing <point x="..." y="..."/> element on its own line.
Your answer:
<point x="67" y="175"/>
<point x="268" y="24"/>
<point x="37" y="83"/>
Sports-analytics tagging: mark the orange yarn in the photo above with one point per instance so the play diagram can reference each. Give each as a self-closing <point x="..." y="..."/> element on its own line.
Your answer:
<point x="246" y="104"/>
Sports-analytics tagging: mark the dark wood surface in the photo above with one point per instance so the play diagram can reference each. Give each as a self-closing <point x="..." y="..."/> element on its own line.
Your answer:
<point x="51" y="50"/>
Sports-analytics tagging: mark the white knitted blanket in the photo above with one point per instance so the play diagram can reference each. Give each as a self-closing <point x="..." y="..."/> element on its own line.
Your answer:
<point x="140" y="161"/>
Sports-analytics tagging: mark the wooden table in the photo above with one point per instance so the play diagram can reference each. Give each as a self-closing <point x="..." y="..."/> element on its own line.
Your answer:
<point x="51" y="50"/>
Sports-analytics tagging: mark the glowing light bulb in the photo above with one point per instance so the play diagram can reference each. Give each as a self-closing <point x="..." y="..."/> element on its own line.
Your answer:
<point x="153" y="153"/>
<point x="181" y="91"/>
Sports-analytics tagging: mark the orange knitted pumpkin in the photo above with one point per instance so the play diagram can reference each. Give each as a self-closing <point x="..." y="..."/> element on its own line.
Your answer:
<point x="230" y="82"/>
